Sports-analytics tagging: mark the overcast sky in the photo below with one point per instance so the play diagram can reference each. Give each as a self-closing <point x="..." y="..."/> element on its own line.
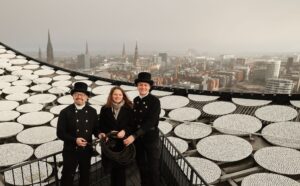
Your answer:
<point x="225" y="26"/>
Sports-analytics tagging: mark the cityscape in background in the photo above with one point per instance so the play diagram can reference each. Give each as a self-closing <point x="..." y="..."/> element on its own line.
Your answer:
<point x="270" y="74"/>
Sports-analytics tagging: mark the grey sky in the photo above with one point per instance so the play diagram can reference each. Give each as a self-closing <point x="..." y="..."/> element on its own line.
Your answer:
<point x="157" y="25"/>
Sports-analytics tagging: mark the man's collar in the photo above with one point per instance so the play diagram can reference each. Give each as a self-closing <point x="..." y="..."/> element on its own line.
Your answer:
<point x="78" y="107"/>
<point x="144" y="95"/>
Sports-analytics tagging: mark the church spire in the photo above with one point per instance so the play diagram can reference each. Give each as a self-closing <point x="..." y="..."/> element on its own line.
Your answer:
<point x="136" y="55"/>
<point x="50" y="57"/>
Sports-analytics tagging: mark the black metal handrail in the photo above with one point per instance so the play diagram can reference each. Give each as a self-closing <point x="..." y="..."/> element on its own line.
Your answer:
<point x="175" y="169"/>
<point x="31" y="172"/>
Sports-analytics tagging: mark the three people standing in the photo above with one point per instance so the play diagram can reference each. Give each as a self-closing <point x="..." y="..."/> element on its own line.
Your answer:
<point x="133" y="123"/>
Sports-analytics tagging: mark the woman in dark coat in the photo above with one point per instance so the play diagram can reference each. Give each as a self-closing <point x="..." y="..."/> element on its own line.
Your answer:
<point x="116" y="116"/>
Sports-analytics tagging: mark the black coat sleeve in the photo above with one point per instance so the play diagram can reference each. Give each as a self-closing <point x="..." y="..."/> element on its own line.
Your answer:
<point x="61" y="131"/>
<point x="102" y="124"/>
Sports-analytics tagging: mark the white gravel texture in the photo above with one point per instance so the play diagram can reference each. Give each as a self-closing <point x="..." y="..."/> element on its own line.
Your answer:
<point x="250" y="102"/>
<point x="281" y="160"/>
<point x="42" y="98"/>
<point x="99" y="82"/>
<point x="160" y="93"/>
<point x="56" y="109"/>
<point x="207" y="169"/>
<point x="193" y="130"/>
<point x="9" y="78"/>
<point x="65" y="100"/>
<point x="15" y="89"/>
<point x="237" y="124"/>
<point x="226" y="148"/>
<point x="43" y="80"/>
<point x="37" y="135"/>
<point x="98" y="100"/>
<point x="202" y="98"/>
<point x="165" y="127"/>
<point x="295" y="103"/>
<point x="8" y="115"/>
<point x="17" y="96"/>
<point x="268" y="179"/>
<point x="276" y="113"/>
<point x="50" y="148"/>
<point x="8" y="105"/>
<point x="219" y="108"/>
<point x="53" y="122"/>
<point x="105" y="89"/>
<point x="64" y="83"/>
<point x="59" y="90"/>
<point x="173" y="102"/>
<point x="13" y="153"/>
<point x="286" y="134"/>
<point x="29" y="107"/>
<point x="185" y="114"/>
<point x="128" y="87"/>
<point x="62" y="78"/>
<point x="35" y="118"/>
<point x="9" y="129"/>
<point x="44" y="72"/>
<point x="180" y="144"/>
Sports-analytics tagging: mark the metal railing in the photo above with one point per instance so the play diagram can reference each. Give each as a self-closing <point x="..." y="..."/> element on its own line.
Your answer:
<point x="175" y="169"/>
<point x="41" y="171"/>
<point x="46" y="171"/>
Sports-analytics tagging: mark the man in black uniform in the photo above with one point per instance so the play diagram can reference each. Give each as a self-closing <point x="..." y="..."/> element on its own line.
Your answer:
<point x="146" y="109"/>
<point x="76" y="124"/>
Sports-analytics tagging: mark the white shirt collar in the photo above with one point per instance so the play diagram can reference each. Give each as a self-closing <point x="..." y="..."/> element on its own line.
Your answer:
<point x="79" y="107"/>
<point x="143" y="96"/>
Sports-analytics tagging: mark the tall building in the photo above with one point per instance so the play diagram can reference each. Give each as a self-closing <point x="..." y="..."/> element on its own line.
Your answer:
<point x="273" y="69"/>
<point x="50" y="56"/>
<point x="84" y="60"/>
<point x="136" y="55"/>
<point x="40" y="54"/>
<point x="289" y="64"/>
<point x="279" y="86"/>
<point x="164" y="57"/>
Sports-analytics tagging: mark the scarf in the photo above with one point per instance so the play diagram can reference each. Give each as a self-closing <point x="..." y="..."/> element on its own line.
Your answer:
<point x="116" y="108"/>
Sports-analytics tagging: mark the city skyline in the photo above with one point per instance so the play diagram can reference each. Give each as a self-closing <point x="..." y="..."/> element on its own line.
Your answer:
<point x="233" y="26"/>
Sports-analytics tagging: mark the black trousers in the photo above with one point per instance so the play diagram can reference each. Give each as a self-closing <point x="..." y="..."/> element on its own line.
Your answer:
<point x="148" y="160"/>
<point x="71" y="160"/>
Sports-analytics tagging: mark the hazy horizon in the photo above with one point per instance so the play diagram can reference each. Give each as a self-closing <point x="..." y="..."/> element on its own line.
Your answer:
<point x="207" y="26"/>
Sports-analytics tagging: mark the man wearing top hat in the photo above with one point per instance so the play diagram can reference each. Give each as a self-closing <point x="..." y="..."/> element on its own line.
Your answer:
<point x="146" y="109"/>
<point x="76" y="124"/>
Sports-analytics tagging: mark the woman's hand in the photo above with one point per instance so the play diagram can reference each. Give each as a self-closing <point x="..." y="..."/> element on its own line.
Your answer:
<point x="128" y="140"/>
<point x="121" y="134"/>
<point x="102" y="136"/>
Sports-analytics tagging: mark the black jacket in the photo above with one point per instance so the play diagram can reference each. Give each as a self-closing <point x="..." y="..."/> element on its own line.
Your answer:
<point x="146" y="115"/>
<point x="73" y="123"/>
<point x="124" y="121"/>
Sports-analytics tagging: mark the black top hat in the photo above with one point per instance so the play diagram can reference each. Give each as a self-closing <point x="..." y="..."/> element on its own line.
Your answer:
<point x="144" y="77"/>
<point x="80" y="87"/>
